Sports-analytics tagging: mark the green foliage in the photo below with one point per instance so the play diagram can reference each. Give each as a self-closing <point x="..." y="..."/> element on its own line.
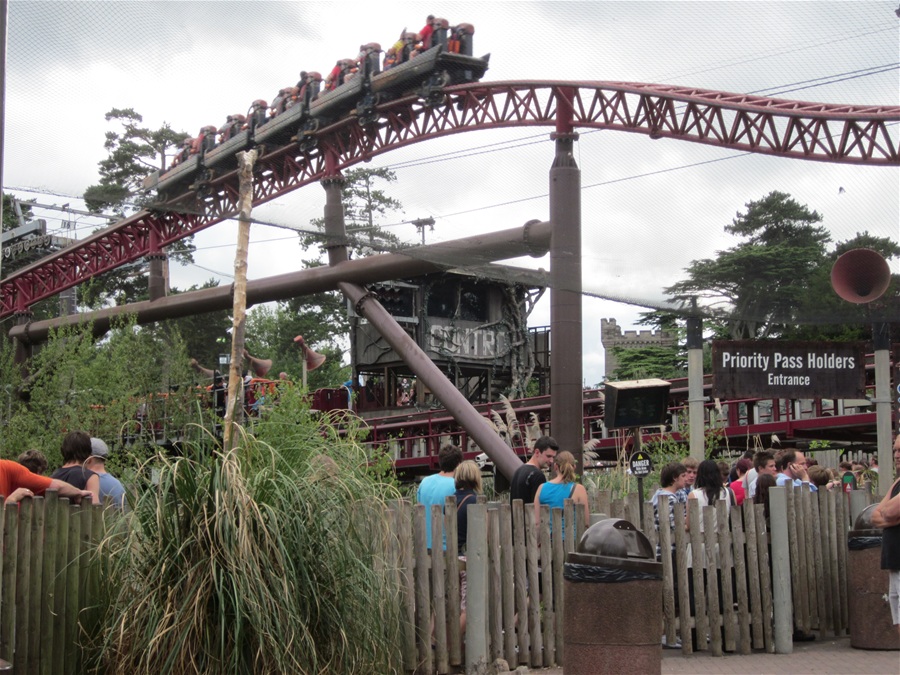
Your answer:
<point x="10" y="217"/>
<point x="365" y="205"/>
<point x="755" y="284"/>
<point x="259" y="560"/>
<point x="133" y="152"/>
<point x="201" y="333"/>
<point x="75" y="383"/>
<point x="322" y="321"/>
<point x="644" y="362"/>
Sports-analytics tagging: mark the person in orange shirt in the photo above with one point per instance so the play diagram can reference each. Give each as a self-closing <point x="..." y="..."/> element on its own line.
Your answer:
<point x="18" y="483"/>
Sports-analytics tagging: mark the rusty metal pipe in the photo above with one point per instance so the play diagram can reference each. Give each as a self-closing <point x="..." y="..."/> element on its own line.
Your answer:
<point x="443" y="389"/>
<point x="533" y="240"/>
<point x="367" y="305"/>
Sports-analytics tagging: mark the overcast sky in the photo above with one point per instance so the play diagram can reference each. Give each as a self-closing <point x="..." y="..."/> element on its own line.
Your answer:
<point x="649" y="207"/>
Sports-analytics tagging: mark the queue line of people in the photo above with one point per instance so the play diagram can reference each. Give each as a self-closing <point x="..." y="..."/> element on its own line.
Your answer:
<point x="82" y="476"/>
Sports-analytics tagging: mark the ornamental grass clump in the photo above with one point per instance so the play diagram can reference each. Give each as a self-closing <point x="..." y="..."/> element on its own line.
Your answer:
<point x="264" y="559"/>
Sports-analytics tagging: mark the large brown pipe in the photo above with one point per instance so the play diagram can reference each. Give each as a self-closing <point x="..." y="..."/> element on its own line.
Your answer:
<point x="406" y="348"/>
<point x="533" y="240"/>
<point x="443" y="389"/>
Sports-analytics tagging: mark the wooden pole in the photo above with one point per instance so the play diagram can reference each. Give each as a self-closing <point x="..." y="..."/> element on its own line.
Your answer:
<point x="781" y="571"/>
<point x="235" y="408"/>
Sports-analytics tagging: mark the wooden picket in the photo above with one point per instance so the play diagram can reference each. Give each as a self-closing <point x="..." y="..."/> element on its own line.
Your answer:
<point x="48" y="574"/>
<point x="47" y="578"/>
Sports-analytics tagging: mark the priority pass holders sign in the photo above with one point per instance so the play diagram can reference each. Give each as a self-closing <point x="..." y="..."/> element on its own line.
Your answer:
<point x="776" y="369"/>
<point x="640" y="464"/>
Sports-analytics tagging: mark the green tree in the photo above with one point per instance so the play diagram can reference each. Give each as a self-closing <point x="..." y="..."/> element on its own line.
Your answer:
<point x="366" y="205"/>
<point x="754" y="289"/>
<point x="826" y="316"/>
<point x="10" y="217"/>
<point x="204" y="334"/>
<point x="133" y="152"/>
<point x="322" y="321"/>
<point x="644" y="362"/>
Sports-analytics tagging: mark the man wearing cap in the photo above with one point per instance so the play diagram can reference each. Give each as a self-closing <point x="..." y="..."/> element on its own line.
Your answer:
<point x="109" y="484"/>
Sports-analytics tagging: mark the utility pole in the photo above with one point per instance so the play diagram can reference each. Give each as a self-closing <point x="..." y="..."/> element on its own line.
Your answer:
<point x="421" y="224"/>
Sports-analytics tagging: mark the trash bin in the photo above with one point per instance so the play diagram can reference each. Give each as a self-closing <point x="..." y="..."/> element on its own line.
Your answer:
<point x="613" y="602"/>
<point x="871" y="626"/>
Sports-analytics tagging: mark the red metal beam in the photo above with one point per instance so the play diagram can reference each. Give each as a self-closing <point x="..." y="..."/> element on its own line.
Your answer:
<point x="795" y="129"/>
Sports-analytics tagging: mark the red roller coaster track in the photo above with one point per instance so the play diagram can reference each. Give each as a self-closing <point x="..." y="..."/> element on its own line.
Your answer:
<point x="811" y="131"/>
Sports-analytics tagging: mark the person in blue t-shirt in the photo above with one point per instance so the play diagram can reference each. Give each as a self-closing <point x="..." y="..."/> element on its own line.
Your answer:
<point x="561" y="487"/>
<point x="109" y="484"/>
<point x="436" y="488"/>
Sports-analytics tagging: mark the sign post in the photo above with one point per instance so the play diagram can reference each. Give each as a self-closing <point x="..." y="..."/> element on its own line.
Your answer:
<point x="641" y="465"/>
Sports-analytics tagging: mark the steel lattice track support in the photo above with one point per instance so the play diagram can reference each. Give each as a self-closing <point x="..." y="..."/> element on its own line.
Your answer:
<point x="812" y="131"/>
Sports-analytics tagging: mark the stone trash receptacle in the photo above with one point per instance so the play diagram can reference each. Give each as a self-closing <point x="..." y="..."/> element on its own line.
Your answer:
<point x="613" y="602"/>
<point x="871" y="626"/>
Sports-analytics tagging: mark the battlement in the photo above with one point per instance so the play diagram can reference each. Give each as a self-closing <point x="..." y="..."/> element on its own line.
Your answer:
<point x="612" y="335"/>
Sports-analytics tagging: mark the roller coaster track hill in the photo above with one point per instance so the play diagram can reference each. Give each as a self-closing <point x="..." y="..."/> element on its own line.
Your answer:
<point x="812" y="131"/>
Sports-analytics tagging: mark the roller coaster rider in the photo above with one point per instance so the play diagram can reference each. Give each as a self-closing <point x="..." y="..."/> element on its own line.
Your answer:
<point x="256" y="116"/>
<point x="233" y="125"/>
<point x="280" y="102"/>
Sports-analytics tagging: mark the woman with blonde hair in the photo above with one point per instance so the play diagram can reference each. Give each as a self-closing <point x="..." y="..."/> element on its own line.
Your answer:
<point x="561" y="487"/>
<point x="467" y="477"/>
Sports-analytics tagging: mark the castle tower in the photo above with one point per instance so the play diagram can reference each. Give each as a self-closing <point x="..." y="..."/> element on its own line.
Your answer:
<point x="611" y="335"/>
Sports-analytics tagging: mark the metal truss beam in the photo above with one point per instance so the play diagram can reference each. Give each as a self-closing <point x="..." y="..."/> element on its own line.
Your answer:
<point x="823" y="132"/>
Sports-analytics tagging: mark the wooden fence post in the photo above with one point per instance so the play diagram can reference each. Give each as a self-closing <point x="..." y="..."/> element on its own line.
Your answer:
<point x="23" y="584"/>
<point x="403" y="521"/>
<point x="711" y="563"/>
<point x="495" y="610"/>
<point x="32" y="663"/>
<point x="534" y="592"/>
<point x="50" y="642"/>
<point x="665" y="550"/>
<point x="685" y="621"/>
<point x="740" y="576"/>
<point x="454" y="637"/>
<point x="701" y="618"/>
<point x="438" y="595"/>
<point x="726" y="564"/>
<point x="70" y="618"/>
<point x="8" y="594"/>
<point x="519" y="554"/>
<point x="507" y="581"/>
<point x="548" y="595"/>
<point x="423" y="606"/>
<point x="477" y="579"/>
<point x="559" y="559"/>
<point x="781" y="571"/>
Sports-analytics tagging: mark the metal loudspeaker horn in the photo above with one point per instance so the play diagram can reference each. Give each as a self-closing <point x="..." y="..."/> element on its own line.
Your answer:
<point x="259" y="366"/>
<point x="313" y="359"/>
<point x="860" y="275"/>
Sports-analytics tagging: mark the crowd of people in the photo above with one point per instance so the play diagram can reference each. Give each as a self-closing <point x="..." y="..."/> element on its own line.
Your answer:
<point x="82" y="476"/>
<point x="751" y="477"/>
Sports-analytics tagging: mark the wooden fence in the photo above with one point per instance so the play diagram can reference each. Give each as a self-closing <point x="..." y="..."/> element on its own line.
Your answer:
<point x="514" y="616"/>
<point x="47" y="580"/>
<point x="513" y="570"/>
